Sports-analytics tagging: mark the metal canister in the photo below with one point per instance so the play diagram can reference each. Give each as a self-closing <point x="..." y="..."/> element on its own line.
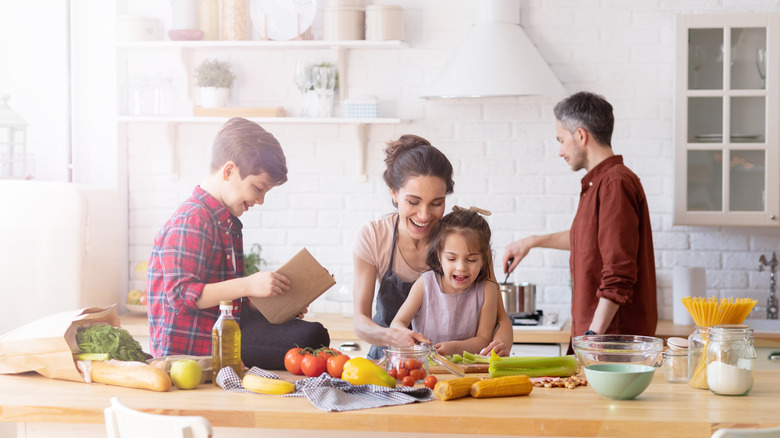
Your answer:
<point x="526" y="297"/>
<point x="509" y="295"/>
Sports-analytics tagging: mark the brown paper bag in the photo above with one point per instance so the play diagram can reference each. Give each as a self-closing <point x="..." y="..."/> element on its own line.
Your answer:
<point x="46" y="345"/>
<point x="308" y="280"/>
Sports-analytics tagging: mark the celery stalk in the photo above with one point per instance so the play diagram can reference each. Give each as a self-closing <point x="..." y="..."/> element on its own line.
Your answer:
<point x="560" y="366"/>
<point x="475" y="358"/>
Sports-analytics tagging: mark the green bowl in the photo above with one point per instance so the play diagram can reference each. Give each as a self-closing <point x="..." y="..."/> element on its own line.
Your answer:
<point x="619" y="381"/>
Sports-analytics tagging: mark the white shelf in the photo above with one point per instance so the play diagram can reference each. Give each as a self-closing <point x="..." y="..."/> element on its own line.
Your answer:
<point x="270" y="120"/>
<point x="301" y="44"/>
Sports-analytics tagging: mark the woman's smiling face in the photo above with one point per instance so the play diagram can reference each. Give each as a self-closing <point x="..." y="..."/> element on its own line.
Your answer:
<point x="420" y="205"/>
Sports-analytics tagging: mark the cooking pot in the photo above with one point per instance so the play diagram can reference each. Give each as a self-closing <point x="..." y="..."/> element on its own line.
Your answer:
<point x="518" y="297"/>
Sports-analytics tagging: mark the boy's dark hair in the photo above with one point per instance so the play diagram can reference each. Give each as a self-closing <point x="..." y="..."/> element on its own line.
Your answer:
<point x="252" y="148"/>
<point x="411" y="156"/>
<point x="590" y="111"/>
<point x="473" y="227"/>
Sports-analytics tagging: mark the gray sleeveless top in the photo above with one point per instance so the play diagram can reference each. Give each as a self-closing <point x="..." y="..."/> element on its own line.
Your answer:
<point x="448" y="317"/>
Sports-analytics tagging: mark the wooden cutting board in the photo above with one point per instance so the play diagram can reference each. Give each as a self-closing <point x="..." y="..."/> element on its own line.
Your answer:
<point x="468" y="368"/>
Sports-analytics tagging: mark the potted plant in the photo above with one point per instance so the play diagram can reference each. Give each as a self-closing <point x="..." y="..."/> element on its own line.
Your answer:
<point x="253" y="261"/>
<point x="214" y="80"/>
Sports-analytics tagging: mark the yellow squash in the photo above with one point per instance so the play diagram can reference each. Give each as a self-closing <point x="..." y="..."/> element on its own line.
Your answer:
<point x="361" y="371"/>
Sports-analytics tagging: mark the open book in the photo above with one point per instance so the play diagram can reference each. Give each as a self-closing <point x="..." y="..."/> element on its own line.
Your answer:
<point x="308" y="280"/>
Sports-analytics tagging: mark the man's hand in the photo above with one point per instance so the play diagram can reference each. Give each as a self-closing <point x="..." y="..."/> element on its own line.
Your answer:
<point x="517" y="251"/>
<point x="267" y="284"/>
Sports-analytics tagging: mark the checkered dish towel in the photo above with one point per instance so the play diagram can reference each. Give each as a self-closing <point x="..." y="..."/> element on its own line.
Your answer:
<point x="329" y="394"/>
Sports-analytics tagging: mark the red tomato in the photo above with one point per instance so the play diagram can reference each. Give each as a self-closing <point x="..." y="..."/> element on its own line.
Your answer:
<point x="313" y="366"/>
<point x="401" y="373"/>
<point x="393" y="373"/>
<point x="415" y="374"/>
<point x="423" y="373"/>
<point x="413" y="364"/>
<point x="326" y="352"/>
<point x="407" y="381"/>
<point x="293" y="359"/>
<point x="430" y="381"/>
<point x="335" y="365"/>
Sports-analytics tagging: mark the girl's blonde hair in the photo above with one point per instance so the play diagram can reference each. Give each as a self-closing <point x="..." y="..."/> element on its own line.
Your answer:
<point x="470" y="225"/>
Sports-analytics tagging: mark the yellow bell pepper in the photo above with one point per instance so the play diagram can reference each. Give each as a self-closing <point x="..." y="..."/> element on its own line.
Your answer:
<point x="361" y="371"/>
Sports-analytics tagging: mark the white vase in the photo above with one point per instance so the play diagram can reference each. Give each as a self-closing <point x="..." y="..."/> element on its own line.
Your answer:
<point x="213" y="97"/>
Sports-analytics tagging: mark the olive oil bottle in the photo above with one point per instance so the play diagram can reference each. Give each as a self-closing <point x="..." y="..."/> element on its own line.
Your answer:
<point x="225" y="342"/>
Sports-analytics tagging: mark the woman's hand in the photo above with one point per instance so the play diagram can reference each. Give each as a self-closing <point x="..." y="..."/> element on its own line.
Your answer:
<point x="404" y="337"/>
<point x="267" y="284"/>
<point x="496" y="346"/>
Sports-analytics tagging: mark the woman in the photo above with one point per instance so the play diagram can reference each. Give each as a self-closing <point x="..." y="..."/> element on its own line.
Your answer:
<point x="392" y="250"/>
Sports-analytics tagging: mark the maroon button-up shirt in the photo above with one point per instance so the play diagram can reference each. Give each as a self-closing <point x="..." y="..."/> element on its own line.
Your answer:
<point x="612" y="251"/>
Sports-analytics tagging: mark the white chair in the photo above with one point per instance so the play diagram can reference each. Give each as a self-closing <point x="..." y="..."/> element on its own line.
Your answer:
<point x="772" y="432"/>
<point x="124" y="422"/>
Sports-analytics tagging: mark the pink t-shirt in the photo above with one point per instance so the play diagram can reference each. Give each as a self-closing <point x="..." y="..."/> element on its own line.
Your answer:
<point x="448" y="317"/>
<point x="373" y="243"/>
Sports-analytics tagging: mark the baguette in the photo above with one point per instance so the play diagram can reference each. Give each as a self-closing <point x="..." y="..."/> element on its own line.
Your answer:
<point x="130" y="374"/>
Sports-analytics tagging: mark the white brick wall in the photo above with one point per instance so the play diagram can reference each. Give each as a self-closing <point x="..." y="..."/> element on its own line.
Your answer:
<point x="503" y="150"/>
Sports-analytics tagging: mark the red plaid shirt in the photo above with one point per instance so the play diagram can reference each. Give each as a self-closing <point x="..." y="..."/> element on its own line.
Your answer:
<point x="196" y="247"/>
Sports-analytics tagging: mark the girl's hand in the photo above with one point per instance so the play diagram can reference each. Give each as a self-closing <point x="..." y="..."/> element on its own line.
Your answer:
<point x="403" y="337"/>
<point x="448" y="348"/>
<point x="267" y="284"/>
<point x="496" y="346"/>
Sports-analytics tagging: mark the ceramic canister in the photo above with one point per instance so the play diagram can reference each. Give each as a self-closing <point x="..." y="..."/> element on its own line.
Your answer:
<point x="343" y="23"/>
<point x="384" y="22"/>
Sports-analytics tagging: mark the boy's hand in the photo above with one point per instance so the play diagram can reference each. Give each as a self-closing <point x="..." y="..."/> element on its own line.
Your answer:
<point x="267" y="284"/>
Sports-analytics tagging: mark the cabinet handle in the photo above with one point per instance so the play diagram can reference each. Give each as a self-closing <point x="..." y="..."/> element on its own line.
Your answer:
<point x="349" y="346"/>
<point x="772" y="217"/>
<point x="775" y="355"/>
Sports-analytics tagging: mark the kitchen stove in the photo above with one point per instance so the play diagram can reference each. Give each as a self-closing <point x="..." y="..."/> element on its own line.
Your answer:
<point x="536" y="321"/>
<point x="535" y="318"/>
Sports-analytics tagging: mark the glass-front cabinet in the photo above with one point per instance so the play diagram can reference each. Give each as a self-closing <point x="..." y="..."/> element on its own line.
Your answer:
<point x="727" y="114"/>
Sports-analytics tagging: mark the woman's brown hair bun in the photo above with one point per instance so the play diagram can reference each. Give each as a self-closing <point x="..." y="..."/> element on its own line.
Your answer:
<point x="412" y="155"/>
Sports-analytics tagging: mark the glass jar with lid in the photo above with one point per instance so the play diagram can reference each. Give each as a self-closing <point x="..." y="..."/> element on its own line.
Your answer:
<point x="414" y="361"/>
<point x="407" y="361"/>
<point x="697" y="357"/>
<point x="730" y="358"/>
<point x="676" y="360"/>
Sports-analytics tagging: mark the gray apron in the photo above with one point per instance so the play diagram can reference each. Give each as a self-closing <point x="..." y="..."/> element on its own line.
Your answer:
<point x="392" y="293"/>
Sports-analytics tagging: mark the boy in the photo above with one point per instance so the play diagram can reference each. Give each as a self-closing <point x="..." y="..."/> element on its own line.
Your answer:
<point x="198" y="258"/>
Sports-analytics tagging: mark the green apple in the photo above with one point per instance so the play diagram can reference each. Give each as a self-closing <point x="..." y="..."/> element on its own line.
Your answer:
<point x="134" y="296"/>
<point x="186" y="374"/>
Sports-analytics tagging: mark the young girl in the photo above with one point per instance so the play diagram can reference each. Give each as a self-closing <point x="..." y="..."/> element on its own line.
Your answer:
<point x="454" y="304"/>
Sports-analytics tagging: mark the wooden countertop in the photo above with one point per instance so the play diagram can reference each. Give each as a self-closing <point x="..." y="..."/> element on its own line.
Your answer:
<point x="664" y="409"/>
<point x="340" y="327"/>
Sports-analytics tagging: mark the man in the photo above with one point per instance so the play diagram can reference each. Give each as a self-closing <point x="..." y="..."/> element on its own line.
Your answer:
<point x="612" y="262"/>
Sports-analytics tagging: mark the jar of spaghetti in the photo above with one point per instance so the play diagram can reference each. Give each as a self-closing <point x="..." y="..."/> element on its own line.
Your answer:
<point x="730" y="357"/>
<point x="697" y="357"/>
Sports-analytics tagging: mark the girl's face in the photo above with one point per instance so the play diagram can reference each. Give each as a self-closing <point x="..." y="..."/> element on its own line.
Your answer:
<point x="460" y="264"/>
<point x="420" y="205"/>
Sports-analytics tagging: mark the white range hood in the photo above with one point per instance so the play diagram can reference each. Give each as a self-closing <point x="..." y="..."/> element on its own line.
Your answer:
<point x="495" y="59"/>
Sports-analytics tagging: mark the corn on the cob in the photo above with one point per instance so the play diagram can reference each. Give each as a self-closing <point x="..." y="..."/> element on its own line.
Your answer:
<point x="502" y="387"/>
<point x="454" y="388"/>
<point x="264" y="385"/>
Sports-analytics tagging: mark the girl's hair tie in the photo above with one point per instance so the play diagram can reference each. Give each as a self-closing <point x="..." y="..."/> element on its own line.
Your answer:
<point x="472" y="209"/>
